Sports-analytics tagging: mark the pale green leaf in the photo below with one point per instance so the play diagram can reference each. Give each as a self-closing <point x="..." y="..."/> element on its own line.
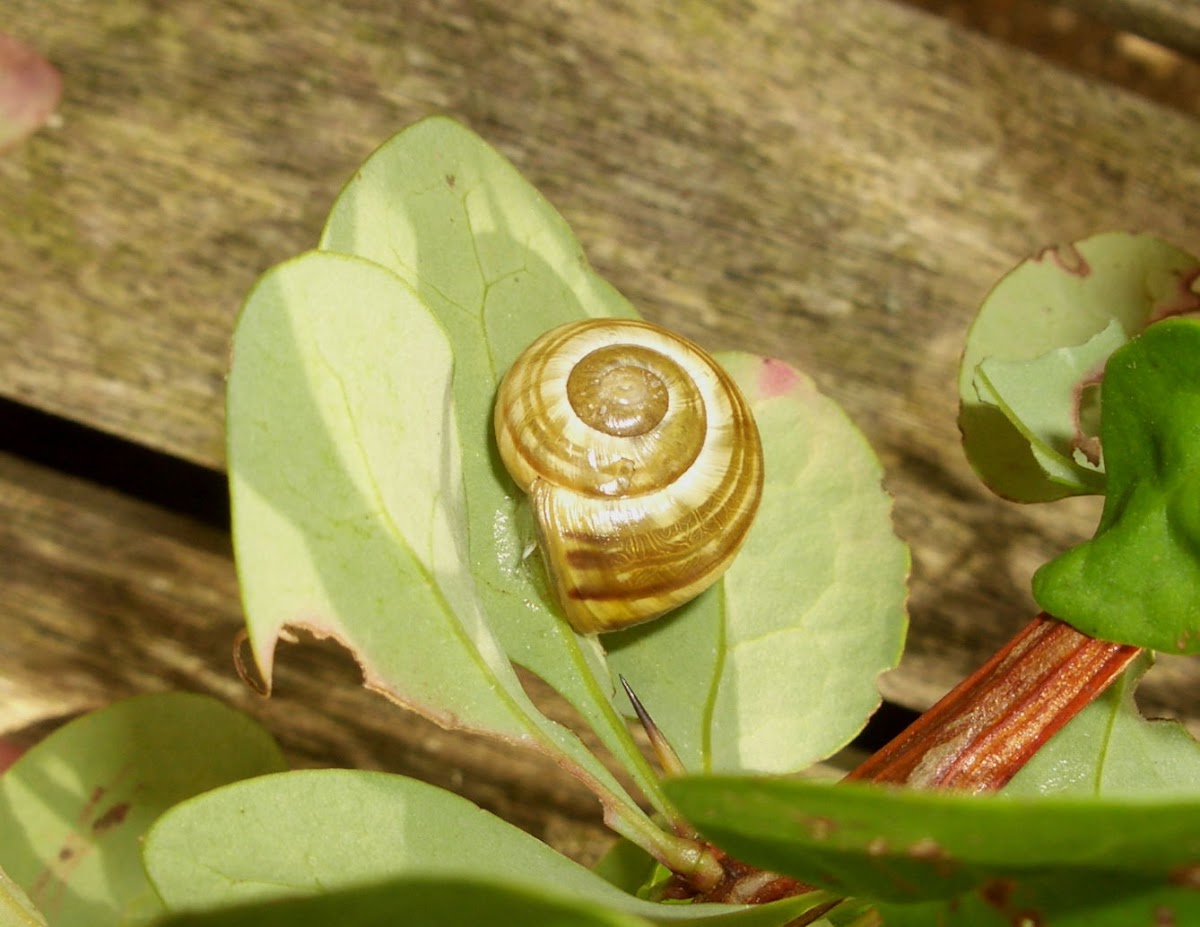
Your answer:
<point x="1109" y="749"/>
<point x="779" y="670"/>
<point x="318" y="831"/>
<point x="73" y="809"/>
<point x="1062" y="297"/>
<point x="16" y="910"/>
<point x="497" y="266"/>
<point x="346" y="482"/>
<point x="1040" y="398"/>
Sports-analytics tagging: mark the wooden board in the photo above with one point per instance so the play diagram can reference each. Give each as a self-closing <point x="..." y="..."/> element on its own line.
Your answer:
<point x="1173" y="23"/>
<point x="105" y="597"/>
<point x="836" y="184"/>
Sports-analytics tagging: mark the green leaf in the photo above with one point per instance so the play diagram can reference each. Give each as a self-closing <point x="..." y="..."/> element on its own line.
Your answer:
<point x="1062" y="297"/>
<point x="346" y="482"/>
<point x="900" y="845"/>
<point x="420" y="902"/>
<point x="1041" y="399"/>
<point x="776" y="669"/>
<point x="73" y="809"/>
<point x="1138" y="580"/>
<point x="318" y="831"/>
<point x="1109" y="749"/>
<point x="1106" y="902"/>
<point x="497" y="266"/>
<point x="16" y="910"/>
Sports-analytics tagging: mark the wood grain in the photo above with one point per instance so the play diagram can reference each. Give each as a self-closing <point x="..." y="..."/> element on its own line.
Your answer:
<point x="1173" y="23"/>
<point x="835" y="184"/>
<point x="105" y="597"/>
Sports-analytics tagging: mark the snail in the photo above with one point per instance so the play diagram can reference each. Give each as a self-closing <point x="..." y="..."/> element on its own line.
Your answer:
<point x="642" y="462"/>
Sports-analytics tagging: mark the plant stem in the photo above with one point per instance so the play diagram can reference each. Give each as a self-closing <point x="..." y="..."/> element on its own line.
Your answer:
<point x="989" y="725"/>
<point x="692" y="861"/>
<point x="986" y="728"/>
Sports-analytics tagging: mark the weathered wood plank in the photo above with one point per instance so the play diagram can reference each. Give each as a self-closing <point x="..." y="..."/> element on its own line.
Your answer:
<point x="106" y="597"/>
<point x="834" y="184"/>
<point x="1173" y="23"/>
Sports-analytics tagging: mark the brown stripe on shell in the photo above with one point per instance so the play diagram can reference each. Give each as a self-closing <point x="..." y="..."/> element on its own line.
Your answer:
<point x="667" y="559"/>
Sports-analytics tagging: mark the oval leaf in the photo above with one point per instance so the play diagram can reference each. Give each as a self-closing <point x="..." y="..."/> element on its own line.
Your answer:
<point x="903" y="845"/>
<point x="498" y="266"/>
<point x="485" y="250"/>
<point x="74" y="808"/>
<point x="346" y="482"/>
<point x="1061" y="298"/>
<point x="246" y="843"/>
<point x="779" y="670"/>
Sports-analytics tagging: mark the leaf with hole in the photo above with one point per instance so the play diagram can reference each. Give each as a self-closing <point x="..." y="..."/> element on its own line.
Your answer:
<point x="1063" y="297"/>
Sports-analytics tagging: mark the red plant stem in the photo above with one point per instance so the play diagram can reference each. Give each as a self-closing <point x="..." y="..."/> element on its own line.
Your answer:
<point x="976" y="738"/>
<point x="987" y="727"/>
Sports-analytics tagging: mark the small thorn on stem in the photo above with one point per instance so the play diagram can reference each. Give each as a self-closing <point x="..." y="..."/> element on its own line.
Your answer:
<point x="668" y="759"/>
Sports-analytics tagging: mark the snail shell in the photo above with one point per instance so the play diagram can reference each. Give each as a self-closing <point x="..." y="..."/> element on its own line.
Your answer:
<point x="642" y="462"/>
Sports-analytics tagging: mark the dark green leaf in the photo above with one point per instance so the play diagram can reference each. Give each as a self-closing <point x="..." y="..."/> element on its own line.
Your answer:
<point x="902" y="845"/>
<point x="1138" y="580"/>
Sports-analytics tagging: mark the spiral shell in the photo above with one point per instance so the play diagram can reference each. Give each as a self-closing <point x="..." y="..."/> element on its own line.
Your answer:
<point x="642" y="461"/>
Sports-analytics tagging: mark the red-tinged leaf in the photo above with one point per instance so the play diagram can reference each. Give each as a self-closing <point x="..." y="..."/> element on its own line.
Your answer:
<point x="30" y="89"/>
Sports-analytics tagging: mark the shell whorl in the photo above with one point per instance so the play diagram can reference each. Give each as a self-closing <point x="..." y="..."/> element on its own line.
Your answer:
<point x="642" y="461"/>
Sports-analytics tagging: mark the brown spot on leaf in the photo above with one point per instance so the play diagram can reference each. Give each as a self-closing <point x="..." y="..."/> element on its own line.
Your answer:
<point x="451" y="180"/>
<point x="1187" y="876"/>
<point x="819" y="828"/>
<point x="111" y="818"/>
<point x="1164" y="917"/>
<point x="997" y="893"/>
<point x="65" y="854"/>
<point x="89" y="807"/>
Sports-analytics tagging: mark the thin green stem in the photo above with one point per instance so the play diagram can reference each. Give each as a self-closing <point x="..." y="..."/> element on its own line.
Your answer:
<point x="690" y="860"/>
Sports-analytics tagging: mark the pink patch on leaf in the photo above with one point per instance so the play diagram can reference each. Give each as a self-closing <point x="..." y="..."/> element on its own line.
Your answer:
<point x="30" y="89"/>
<point x="9" y="754"/>
<point x="776" y="378"/>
